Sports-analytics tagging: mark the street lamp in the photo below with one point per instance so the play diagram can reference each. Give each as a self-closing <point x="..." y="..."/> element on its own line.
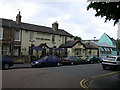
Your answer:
<point x="31" y="51"/>
<point x="94" y="43"/>
<point x="94" y="39"/>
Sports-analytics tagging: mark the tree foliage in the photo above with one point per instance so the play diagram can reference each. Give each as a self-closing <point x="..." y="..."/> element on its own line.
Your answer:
<point x="118" y="44"/>
<point x="109" y="10"/>
<point x="77" y="38"/>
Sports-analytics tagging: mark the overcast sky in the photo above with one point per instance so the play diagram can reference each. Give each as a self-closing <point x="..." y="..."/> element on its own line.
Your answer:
<point x="71" y="15"/>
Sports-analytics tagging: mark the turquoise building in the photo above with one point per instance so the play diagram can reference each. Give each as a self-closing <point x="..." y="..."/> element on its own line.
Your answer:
<point x="107" y="46"/>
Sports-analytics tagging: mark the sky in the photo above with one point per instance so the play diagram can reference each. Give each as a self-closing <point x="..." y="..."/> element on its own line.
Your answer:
<point x="71" y="16"/>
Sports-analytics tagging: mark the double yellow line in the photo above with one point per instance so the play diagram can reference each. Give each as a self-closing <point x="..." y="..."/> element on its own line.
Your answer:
<point x="84" y="82"/>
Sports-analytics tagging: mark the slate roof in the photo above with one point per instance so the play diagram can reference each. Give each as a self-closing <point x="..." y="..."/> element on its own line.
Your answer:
<point x="31" y="27"/>
<point x="103" y="45"/>
<point x="70" y="44"/>
<point x="112" y="39"/>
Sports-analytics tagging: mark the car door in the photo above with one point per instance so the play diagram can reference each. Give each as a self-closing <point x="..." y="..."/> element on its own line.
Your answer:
<point x="50" y="60"/>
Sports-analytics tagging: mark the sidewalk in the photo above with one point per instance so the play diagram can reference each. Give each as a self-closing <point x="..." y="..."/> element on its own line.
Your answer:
<point x="112" y="81"/>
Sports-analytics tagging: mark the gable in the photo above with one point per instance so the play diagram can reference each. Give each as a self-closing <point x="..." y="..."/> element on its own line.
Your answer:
<point x="105" y="39"/>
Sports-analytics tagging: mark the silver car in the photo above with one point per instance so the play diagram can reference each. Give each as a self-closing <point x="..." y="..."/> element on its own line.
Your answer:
<point x="111" y="62"/>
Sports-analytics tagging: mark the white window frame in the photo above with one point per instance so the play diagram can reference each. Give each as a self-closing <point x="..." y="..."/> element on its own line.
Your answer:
<point x="18" y="34"/>
<point x="1" y="33"/>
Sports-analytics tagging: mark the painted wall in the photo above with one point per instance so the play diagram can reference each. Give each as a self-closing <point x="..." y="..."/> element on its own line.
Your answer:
<point x="39" y="38"/>
<point x="83" y="51"/>
<point x="105" y="39"/>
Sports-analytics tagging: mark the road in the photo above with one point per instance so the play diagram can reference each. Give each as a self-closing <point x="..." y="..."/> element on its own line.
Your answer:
<point x="23" y="76"/>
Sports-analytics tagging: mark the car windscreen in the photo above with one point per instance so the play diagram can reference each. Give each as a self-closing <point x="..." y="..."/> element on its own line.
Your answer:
<point x="45" y="57"/>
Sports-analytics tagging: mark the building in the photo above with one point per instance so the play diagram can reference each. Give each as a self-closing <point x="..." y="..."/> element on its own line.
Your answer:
<point x="79" y="48"/>
<point x="18" y="37"/>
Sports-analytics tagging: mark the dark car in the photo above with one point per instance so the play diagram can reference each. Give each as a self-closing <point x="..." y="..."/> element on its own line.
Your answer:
<point x="6" y="62"/>
<point x="50" y="60"/>
<point x="72" y="60"/>
<point x="92" y="59"/>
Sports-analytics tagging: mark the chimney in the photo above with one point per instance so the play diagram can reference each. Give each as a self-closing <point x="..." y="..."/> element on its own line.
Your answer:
<point x="18" y="18"/>
<point x="55" y="26"/>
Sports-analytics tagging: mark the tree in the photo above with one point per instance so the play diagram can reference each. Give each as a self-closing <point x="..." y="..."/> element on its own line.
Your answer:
<point x="109" y="10"/>
<point x="77" y="38"/>
<point x="118" y="44"/>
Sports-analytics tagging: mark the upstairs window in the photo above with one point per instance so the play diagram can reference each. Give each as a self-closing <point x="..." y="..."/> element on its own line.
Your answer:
<point x="53" y="38"/>
<point x="17" y="35"/>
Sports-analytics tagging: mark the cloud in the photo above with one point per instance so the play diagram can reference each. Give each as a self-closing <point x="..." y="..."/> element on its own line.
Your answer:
<point x="71" y="16"/>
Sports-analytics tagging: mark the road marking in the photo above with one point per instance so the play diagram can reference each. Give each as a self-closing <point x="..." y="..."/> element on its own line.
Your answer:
<point x="83" y="83"/>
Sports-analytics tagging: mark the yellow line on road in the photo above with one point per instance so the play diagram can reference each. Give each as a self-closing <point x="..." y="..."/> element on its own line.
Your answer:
<point x="84" y="81"/>
<point x="104" y="75"/>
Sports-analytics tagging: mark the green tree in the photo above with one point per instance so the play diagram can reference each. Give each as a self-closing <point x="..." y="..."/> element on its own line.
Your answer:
<point x="109" y="10"/>
<point x="77" y="38"/>
<point x="118" y="44"/>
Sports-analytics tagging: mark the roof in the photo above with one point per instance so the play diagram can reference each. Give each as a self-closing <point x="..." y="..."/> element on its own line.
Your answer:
<point x="89" y="46"/>
<point x="31" y="27"/>
<point x="70" y="44"/>
<point x="112" y="39"/>
<point x="103" y="45"/>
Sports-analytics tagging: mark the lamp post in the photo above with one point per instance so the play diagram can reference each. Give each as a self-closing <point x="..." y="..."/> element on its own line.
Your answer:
<point x="31" y="51"/>
<point x="94" y="43"/>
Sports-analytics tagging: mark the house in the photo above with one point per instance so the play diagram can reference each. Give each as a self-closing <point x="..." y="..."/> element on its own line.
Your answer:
<point x="79" y="48"/>
<point x="104" y="49"/>
<point x="110" y="42"/>
<point x="17" y="37"/>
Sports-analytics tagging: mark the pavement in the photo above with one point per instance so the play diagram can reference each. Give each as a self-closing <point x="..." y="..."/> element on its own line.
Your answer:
<point x="110" y="81"/>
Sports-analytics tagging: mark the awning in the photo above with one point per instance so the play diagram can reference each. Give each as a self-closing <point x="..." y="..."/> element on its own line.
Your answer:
<point x="37" y="48"/>
<point x="102" y="49"/>
<point x="59" y="49"/>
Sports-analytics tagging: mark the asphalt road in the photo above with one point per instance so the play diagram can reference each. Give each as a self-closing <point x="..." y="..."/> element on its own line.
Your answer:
<point x="23" y="76"/>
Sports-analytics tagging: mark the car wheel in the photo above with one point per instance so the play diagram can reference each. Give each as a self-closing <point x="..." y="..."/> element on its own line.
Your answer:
<point x="72" y="63"/>
<point x="58" y="64"/>
<point x="6" y="66"/>
<point x="42" y="64"/>
<point x="118" y="68"/>
<point x="104" y="67"/>
<point x="91" y="62"/>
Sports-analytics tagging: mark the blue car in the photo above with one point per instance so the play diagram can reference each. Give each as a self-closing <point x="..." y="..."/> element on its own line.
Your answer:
<point x="50" y="60"/>
<point x="6" y="62"/>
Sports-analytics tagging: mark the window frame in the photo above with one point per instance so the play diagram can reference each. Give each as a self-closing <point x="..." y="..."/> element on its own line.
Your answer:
<point x="19" y="37"/>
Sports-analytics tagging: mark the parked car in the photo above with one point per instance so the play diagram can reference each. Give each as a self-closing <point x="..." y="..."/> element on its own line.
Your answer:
<point x="50" y="60"/>
<point x="72" y="60"/>
<point x="6" y="62"/>
<point x="92" y="59"/>
<point x="111" y="62"/>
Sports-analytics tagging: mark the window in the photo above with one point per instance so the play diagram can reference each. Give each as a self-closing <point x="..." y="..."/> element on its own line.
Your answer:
<point x="53" y="38"/>
<point x="17" y="35"/>
<point x="77" y="51"/>
<point x="1" y="33"/>
<point x="31" y="36"/>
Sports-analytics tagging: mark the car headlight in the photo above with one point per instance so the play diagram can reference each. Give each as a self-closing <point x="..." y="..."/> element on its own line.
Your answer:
<point x="36" y="62"/>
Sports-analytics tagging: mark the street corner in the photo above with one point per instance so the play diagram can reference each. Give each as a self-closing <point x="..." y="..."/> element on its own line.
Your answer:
<point x="111" y="80"/>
